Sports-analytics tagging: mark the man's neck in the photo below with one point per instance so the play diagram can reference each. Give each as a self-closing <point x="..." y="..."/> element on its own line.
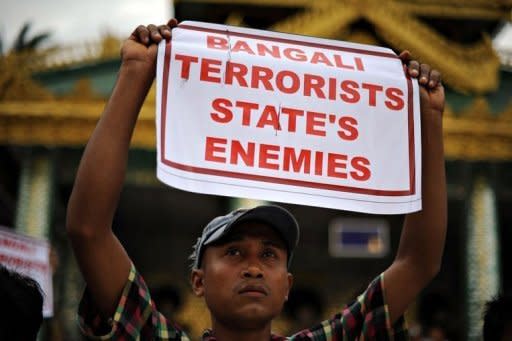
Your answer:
<point x="224" y="333"/>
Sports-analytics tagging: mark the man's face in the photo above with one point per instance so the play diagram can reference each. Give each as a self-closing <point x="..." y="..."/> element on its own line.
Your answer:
<point x="244" y="278"/>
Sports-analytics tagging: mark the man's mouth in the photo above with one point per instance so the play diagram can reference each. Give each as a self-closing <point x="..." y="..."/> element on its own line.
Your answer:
<point x="253" y="291"/>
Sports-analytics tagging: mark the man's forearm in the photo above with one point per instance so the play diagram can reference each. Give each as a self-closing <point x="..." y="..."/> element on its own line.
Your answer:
<point x="422" y="242"/>
<point x="102" y="259"/>
<point x="423" y="236"/>
<point x="102" y="168"/>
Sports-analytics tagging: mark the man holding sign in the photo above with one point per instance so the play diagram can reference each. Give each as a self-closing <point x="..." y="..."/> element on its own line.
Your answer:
<point x="240" y="263"/>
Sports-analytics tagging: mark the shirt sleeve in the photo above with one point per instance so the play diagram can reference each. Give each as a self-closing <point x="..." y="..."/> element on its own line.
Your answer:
<point x="367" y="318"/>
<point x="135" y="316"/>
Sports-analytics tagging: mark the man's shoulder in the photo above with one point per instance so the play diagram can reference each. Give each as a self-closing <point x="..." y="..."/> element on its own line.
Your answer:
<point x="136" y="315"/>
<point x="366" y="317"/>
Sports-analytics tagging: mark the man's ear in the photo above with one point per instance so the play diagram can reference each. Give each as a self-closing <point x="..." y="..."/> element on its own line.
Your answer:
<point x="196" y="280"/>
<point x="290" y="284"/>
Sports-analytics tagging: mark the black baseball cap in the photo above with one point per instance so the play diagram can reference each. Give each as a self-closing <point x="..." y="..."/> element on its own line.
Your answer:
<point x="274" y="216"/>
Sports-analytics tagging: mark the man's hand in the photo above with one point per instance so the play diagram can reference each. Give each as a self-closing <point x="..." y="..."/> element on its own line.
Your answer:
<point x="141" y="47"/>
<point x="431" y="89"/>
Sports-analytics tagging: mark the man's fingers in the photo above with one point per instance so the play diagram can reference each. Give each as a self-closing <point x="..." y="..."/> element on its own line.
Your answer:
<point x="154" y="33"/>
<point x="424" y="74"/>
<point x="427" y="76"/>
<point x="414" y="68"/>
<point x="435" y="79"/>
<point x="141" y="34"/>
<point x="165" y="31"/>
<point x="173" y="22"/>
<point x="405" y="56"/>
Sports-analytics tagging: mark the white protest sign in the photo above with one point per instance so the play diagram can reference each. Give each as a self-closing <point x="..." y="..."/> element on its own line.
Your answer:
<point x="30" y="257"/>
<point x="280" y="117"/>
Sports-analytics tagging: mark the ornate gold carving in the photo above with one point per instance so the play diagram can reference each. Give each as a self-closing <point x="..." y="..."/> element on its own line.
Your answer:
<point x="501" y="5"/>
<point x="275" y="3"/>
<point x="478" y="109"/>
<point x="235" y="19"/>
<point x="455" y="11"/>
<point x="477" y="134"/>
<point x="472" y="134"/>
<point x="59" y="123"/>
<point x="15" y="78"/>
<point x="326" y="21"/>
<point x="82" y="91"/>
<point x="470" y="68"/>
<point x="361" y="37"/>
<point x="465" y="68"/>
<point x="507" y="114"/>
<point x="470" y="3"/>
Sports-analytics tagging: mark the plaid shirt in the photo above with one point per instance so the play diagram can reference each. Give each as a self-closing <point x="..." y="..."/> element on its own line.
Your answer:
<point x="136" y="318"/>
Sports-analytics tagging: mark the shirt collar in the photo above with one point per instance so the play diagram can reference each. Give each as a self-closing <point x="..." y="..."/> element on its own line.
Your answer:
<point x="208" y="336"/>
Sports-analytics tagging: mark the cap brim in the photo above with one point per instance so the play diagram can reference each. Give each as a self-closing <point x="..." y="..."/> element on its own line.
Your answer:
<point x="274" y="216"/>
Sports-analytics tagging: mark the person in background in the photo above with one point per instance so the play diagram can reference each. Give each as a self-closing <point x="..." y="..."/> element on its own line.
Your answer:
<point x="21" y="306"/>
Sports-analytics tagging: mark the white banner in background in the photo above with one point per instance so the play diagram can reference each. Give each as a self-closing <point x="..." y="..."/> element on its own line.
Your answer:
<point x="30" y="257"/>
<point x="280" y="117"/>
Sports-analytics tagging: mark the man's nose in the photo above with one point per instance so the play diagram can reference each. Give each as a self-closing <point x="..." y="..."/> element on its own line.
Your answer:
<point x="252" y="271"/>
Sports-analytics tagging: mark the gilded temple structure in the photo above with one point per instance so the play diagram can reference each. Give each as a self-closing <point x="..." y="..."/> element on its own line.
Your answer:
<point x="50" y="101"/>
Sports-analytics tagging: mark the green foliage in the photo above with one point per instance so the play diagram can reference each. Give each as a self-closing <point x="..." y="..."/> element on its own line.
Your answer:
<point x="23" y="42"/>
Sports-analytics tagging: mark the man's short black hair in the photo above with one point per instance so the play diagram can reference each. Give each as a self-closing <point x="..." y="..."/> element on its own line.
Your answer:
<point x="498" y="313"/>
<point x="21" y="312"/>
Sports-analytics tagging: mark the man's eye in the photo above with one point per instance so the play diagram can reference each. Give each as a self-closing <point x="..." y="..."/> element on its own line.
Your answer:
<point x="269" y="254"/>
<point x="232" y="252"/>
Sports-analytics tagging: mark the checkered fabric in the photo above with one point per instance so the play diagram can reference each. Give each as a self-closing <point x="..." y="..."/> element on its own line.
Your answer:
<point x="137" y="318"/>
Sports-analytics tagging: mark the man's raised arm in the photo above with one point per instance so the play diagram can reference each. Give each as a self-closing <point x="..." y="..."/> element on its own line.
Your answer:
<point x="422" y="241"/>
<point x="101" y="258"/>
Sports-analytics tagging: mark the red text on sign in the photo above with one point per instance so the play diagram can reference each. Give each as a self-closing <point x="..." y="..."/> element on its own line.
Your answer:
<point x="286" y="158"/>
<point x="296" y="54"/>
<point x="283" y="118"/>
<point x="290" y="82"/>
